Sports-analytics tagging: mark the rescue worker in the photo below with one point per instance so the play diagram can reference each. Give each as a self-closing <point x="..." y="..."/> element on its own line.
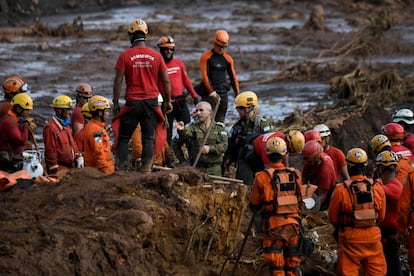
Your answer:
<point x="214" y="64"/>
<point x="12" y="86"/>
<point x="395" y="133"/>
<point x="312" y="134"/>
<point x="61" y="151"/>
<point x="405" y="118"/>
<point x="357" y="207"/>
<point x="337" y="155"/>
<point x="380" y="143"/>
<point x="319" y="170"/>
<point x="212" y="151"/>
<point x="79" y="136"/>
<point x="280" y="222"/>
<point x="14" y="131"/>
<point x="247" y="127"/>
<point x="83" y="94"/>
<point x="405" y="219"/>
<point x="178" y="80"/>
<point x="142" y="67"/>
<point x="97" y="144"/>
<point x="387" y="162"/>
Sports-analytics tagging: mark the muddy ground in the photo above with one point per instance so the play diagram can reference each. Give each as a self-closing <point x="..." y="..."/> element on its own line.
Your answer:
<point x="182" y="222"/>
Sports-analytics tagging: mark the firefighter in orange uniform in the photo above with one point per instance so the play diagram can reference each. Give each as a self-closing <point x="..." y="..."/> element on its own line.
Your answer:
<point x="280" y="212"/>
<point x="356" y="208"/>
<point x="97" y="145"/>
<point x="405" y="218"/>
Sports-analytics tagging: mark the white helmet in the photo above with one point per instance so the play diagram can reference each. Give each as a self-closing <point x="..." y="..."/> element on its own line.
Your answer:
<point x="403" y="115"/>
<point x="323" y="130"/>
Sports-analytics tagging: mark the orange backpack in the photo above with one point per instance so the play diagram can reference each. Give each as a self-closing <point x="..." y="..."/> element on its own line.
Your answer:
<point x="362" y="199"/>
<point x="286" y="193"/>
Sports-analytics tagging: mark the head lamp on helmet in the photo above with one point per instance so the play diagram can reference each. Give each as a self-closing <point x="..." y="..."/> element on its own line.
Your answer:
<point x="378" y="142"/>
<point x="13" y="85"/>
<point x="166" y="42"/>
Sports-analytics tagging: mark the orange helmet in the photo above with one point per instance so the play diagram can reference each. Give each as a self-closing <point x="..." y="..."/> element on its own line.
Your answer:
<point x="222" y="38"/>
<point x="312" y="134"/>
<point x="13" y="85"/>
<point x="295" y="141"/>
<point x="311" y="150"/>
<point x="98" y="103"/>
<point x="84" y="90"/>
<point x="166" y="41"/>
<point x="387" y="158"/>
<point x="393" y="131"/>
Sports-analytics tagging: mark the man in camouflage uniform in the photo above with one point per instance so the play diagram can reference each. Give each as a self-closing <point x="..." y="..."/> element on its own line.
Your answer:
<point x="215" y="146"/>
<point x="249" y="126"/>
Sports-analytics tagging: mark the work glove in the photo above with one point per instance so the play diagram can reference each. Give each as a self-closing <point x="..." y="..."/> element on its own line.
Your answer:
<point x="80" y="163"/>
<point x="31" y="124"/>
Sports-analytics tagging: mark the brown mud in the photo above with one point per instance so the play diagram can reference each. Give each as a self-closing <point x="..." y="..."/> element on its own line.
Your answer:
<point x="181" y="222"/>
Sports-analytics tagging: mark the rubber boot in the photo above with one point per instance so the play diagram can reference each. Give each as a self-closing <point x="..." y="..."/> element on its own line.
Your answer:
<point x="146" y="166"/>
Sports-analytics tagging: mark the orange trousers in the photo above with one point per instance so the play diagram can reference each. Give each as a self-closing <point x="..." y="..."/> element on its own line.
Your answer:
<point x="280" y="246"/>
<point x="368" y="256"/>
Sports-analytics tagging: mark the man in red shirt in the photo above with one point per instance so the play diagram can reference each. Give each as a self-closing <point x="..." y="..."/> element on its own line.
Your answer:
<point x="61" y="151"/>
<point x="83" y="94"/>
<point x="179" y="80"/>
<point x="14" y="133"/>
<point x="337" y="155"/>
<point x="319" y="170"/>
<point x="12" y="85"/>
<point x="142" y="67"/>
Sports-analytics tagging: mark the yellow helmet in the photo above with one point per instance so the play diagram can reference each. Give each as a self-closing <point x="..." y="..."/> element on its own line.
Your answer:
<point x="23" y="100"/>
<point x="98" y="103"/>
<point x="276" y="145"/>
<point x="378" y="142"/>
<point x="246" y="99"/>
<point x="84" y="90"/>
<point x="62" y="101"/>
<point x="166" y="41"/>
<point x="85" y="111"/>
<point x="295" y="141"/>
<point x="356" y="156"/>
<point x="221" y="38"/>
<point x="387" y="158"/>
<point x="13" y="85"/>
<point x="137" y="25"/>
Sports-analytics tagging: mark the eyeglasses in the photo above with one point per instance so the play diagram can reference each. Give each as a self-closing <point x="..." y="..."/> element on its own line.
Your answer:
<point x="219" y="46"/>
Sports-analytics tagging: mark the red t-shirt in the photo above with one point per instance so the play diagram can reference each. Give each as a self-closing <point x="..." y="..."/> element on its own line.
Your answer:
<point x="259" y="144"/>
<point x="14" y="135"/>
<point x="178" y="79"/>
<point x="392" y="189"/>
<point x="77" y="116"/>
<point x="322" y="175"/>
<point x="338" y="158"/>
<point x="402" y="150"/>
<point x="142" y="67"/>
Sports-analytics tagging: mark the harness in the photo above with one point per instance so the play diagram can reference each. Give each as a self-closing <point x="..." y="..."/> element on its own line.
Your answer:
<point x="361" y="193"/>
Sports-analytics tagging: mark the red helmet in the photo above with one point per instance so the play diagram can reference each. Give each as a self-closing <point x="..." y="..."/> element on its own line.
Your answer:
<point x="14" y="85"/>
<point x="312" y="134"/>
<point x="393" y="131"/>
<point x="311" y="150"/>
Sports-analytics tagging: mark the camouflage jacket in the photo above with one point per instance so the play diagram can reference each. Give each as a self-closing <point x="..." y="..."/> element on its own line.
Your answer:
<point x="194" y="132"/>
